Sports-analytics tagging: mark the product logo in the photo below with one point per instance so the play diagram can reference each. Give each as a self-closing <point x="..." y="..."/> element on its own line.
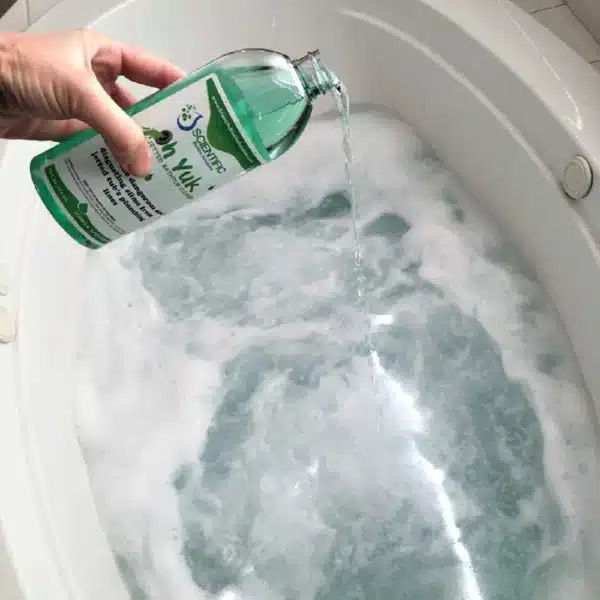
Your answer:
<point x="188" y="118"/>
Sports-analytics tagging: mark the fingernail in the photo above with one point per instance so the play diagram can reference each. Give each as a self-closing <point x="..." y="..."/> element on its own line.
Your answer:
<point x="140" y="163"/>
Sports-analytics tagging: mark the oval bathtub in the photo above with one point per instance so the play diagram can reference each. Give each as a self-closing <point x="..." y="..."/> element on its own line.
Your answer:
<point x="504" y="104"/>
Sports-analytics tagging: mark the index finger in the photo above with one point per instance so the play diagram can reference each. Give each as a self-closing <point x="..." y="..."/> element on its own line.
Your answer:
<point x="142" y="67"/>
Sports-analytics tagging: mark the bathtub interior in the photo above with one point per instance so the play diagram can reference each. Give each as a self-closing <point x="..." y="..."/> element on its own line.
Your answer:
<point x="407" y="54"/>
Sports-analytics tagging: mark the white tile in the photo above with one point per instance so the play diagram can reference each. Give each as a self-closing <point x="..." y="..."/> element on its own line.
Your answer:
<point x="37" y="8"/>
<point x="533" y="5"/>
<point x="15" y="18"/>
<point x="566" y="26"/>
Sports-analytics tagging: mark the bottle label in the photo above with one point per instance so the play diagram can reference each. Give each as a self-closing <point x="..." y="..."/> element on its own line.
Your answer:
<point x="197" y="142"/>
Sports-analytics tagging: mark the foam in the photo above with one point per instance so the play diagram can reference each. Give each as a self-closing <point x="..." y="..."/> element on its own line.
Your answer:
<point x="243" y="443"/>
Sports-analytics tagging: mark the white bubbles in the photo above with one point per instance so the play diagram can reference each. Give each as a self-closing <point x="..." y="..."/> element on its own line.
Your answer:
<point x="243" y="442"/>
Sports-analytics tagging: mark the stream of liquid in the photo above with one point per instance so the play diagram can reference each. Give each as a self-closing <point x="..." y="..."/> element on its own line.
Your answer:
<point x="342" y="101"/>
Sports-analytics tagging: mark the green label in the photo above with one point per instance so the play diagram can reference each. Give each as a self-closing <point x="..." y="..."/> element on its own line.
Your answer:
<point x="77" y="210"/>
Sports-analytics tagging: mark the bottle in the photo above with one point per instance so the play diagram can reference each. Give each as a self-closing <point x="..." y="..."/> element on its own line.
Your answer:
<point x="243" y="109"/>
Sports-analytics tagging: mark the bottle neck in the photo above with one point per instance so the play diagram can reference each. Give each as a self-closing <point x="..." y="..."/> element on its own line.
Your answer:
<point x="315" y="76"/>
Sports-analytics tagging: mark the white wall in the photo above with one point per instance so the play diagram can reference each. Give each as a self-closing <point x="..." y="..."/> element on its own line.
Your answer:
<point x="588" y="12"/>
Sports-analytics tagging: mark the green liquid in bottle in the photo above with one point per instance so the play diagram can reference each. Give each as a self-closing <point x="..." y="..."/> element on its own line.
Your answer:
<point x="242" y="110"/>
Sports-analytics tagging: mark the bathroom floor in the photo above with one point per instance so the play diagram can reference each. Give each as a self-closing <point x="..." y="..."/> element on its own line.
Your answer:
<point x="559" y="18"/>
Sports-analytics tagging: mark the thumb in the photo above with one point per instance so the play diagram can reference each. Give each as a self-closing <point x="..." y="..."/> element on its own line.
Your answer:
<point x="123" y="136"/>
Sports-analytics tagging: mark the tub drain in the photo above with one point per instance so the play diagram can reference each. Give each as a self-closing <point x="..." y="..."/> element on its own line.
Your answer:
<point x="578" y="178"/>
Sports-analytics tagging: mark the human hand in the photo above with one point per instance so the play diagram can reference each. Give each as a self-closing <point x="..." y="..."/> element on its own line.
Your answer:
<point x="53" y="85"/>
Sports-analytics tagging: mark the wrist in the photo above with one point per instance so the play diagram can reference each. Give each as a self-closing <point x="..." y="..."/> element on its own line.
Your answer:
<point x="8" y="59"/>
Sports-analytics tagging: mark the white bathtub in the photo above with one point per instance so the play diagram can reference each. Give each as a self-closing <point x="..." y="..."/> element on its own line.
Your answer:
<point x="505" y="104"/>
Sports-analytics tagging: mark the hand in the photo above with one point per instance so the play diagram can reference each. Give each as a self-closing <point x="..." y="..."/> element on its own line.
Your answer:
<point x="56" y="84"/>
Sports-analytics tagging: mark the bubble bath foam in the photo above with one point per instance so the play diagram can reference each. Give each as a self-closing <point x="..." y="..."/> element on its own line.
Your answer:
<point x="242" y="441"/>
<point x="238" y="112"/>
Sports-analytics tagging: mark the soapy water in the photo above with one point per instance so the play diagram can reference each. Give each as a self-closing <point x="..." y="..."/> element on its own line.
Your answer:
<point x="244" y="442"/>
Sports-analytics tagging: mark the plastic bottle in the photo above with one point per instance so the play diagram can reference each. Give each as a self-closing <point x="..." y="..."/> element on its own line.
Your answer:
<point x="244" y="109"/>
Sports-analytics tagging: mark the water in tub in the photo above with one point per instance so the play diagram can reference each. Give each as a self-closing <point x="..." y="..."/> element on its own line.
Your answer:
<point x="244" y="442"/>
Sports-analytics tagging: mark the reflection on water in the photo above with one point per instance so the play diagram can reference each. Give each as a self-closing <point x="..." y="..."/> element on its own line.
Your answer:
<point x="244" y="442"/>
